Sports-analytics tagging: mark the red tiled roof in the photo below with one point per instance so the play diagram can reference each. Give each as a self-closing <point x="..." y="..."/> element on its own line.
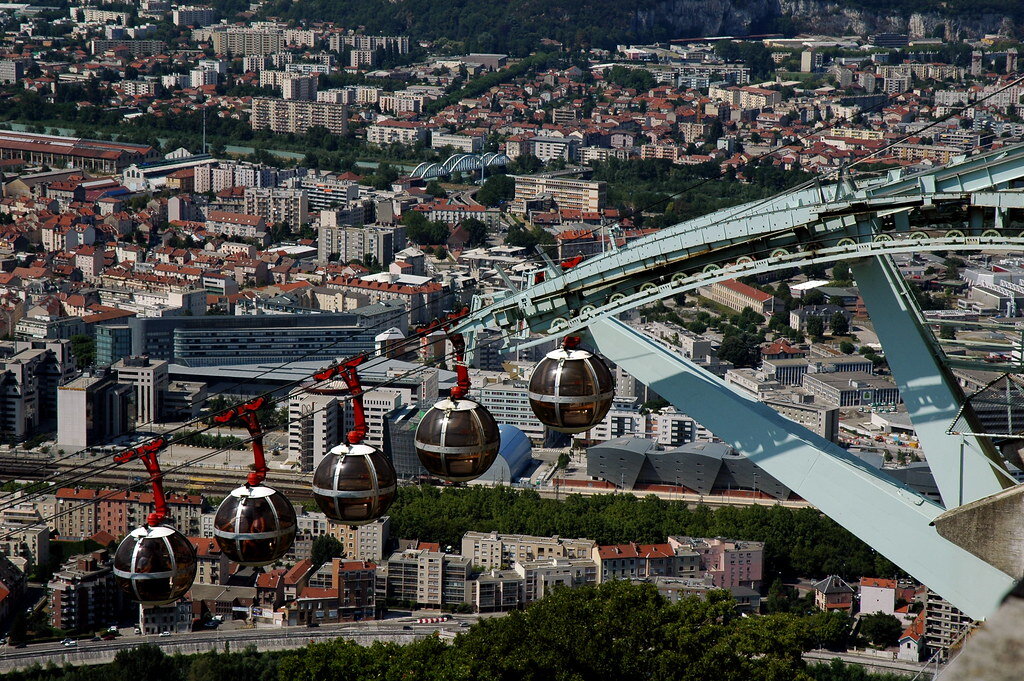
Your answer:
<point x="748" y="291"/>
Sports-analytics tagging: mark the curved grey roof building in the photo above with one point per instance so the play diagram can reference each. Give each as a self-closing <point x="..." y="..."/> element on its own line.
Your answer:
<point x="705" y="467"/>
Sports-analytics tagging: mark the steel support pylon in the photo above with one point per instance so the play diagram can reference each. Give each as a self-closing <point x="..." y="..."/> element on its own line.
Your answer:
<point x="889" y="516"/>
<point x="965" y="467"/>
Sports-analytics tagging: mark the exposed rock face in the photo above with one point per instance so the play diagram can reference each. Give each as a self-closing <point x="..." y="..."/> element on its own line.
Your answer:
<point x="692" y="18"/>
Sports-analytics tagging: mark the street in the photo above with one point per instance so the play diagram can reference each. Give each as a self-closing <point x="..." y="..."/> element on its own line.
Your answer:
<point x="264" y="639"/>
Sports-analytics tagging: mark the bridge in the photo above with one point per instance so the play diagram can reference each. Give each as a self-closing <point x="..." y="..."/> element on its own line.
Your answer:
<point x="460" y="163"/>
<point x="969" y="547"/>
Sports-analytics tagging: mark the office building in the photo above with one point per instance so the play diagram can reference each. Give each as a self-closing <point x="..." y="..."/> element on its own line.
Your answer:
<point x="113" y="343"/>
<point x="94" y="408"/>
<point x="149" y="378"/>
<point x="272" y="338"/>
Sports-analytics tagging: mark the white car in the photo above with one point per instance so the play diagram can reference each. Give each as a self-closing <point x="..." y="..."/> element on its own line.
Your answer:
<point x="165" y="633"/>
<point x="69" y="643"/>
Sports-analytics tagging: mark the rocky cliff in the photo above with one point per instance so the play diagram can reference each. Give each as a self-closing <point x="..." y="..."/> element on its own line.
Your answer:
<point x="739" y="17"/>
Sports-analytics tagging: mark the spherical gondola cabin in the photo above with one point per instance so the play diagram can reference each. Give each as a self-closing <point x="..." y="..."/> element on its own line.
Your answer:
<point x="571" y="390"/>
<point x="255" y="525"/>
<point x="354" y="484"/>
<point x="155" y="565"/>
<point x="457" y="439"/>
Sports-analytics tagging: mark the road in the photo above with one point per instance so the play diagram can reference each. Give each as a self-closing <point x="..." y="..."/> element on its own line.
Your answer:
<point x="264" y="639"/>
<point x="882" y="662"/>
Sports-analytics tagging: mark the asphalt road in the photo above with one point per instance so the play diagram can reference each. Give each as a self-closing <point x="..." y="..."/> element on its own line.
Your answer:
<point x="287" y="637"/>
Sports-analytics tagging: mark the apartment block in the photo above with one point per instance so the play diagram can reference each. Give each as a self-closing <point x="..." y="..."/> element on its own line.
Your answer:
<point x="297" y="116"/>
<point x="729" y="562"/>
<point x="396" y="43"/>
<point x="493" y="550"/>
<point x="83" y="595"/>
<point x="542" y="575"/>
<point x="425" y="576"/>
<point x="243" y="41"/>
<point x="580" y="195"/>
<point x="194" y="16"/>
<point x="299" y="87"/>
<point x="468" y="144"/>
<point x="24" y="537"/>
<point x="642" y="561"/>
<point x="398" y="132"/>
<point x="369" y="542"/>
<point x="277" y="204"/>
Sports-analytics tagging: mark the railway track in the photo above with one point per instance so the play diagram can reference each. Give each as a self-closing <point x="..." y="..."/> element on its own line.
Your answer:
<point x="208" y="481"/>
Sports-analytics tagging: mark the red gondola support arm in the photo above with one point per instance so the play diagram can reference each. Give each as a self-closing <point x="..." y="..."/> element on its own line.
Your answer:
<point x="147" y="453"/>
<point x="246" y="414"/>
<point x="355" y="389"/>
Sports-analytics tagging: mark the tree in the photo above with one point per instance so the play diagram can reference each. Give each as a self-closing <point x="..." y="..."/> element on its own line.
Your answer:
<point x="813" y="297"/>
<point x="880" y="629"/>
<point x="476" y="231"/>
<point x="83" y="348"/>
<point x="325" y="548"/>
<point x="840" y="325"/>
<point x="563" y="461"/>
<point x="497" y="190"/>
<point x="435" y="189"/>
<point x="815" y="327"/>
<point x="847" y="348"/>
<point x="740" y="349"/>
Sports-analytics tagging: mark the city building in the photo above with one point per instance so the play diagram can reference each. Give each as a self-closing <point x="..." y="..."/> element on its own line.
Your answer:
<point x="851" y="389"/>
<point x="425" y="576"/>
<point x="368" y="542"/>
<point x="150" y="379"/>
<point x="699" y="467"/>
<point x="63" y="152"/>
<point x="24" y="537"/>
<point x="878" y="595"/>
<point x="493" y="550"/>
<point x="278" y="205"/>
<point x="398" y="132"/>
<point x="640" y="561"/>
<point x="833" y="593"/>
<point x="944" y="626"/>
<point x="297" y="116"/>
<point x="565" y="193"/>
<point x="94" y="408"/>
<point x="83" y="595"/>
<point x="738" y="296"/>
<point x="727" y="563"/>
<point x="272" y="338"/>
